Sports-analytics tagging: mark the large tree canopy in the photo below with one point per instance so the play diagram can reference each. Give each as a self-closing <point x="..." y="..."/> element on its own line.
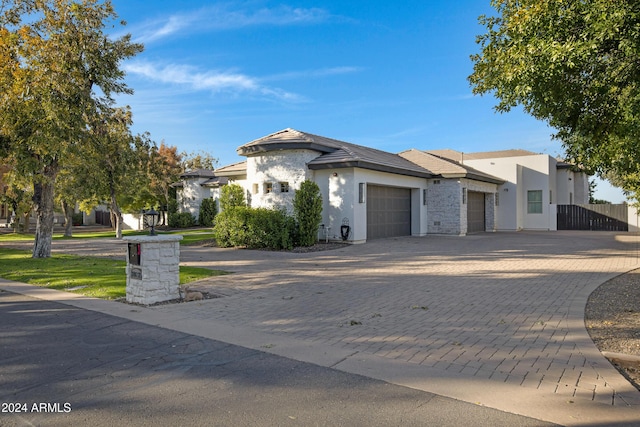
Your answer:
<point x="575" y="65"/>
<point x="58" y="71"/>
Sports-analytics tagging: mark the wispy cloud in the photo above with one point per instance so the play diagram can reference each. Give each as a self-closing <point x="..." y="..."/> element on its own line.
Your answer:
<point x="225" y="16"/>
<point x="214" y="81"/>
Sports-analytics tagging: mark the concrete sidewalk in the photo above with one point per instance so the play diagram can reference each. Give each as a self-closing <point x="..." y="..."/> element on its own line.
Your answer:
<point x="493" y="319"/>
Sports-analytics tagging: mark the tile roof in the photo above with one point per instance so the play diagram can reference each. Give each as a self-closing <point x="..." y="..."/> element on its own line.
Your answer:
<point x="447" y="168"/>
<point x="238" y="168"/>
<point x="198" y="173"/>
<point x="334" y="153"/>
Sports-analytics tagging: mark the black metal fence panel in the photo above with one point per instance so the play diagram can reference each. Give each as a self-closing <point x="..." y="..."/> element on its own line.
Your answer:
<point x="593" y="217"/>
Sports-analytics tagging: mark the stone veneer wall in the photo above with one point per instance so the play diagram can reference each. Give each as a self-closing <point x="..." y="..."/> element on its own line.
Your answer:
<point x="444" y="201"/>
<point x="446" y="214"/>
<point x="159" y="267"/>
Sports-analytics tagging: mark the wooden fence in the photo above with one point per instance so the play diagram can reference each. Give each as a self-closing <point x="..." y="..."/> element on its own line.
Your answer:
<point x="593" y="217"/>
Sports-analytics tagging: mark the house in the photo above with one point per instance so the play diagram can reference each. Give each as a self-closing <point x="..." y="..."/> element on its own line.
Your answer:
<point x="369" y="193"/>
<point x="534" y="185"/>
<point x="195" y="186"/>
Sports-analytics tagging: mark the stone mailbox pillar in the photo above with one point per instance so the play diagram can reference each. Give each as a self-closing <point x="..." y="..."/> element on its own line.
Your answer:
<point x="153" y="268"/>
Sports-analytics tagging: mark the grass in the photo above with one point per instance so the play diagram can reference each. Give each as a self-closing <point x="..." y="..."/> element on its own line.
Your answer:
<point x="94" y="277"/>
<point x="190" y="236"/>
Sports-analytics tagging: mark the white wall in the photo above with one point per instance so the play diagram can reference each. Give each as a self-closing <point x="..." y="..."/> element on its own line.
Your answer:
<point x="340" y="195"/>
<point x="522" y="174"/>
<point x="288" y="166"/>
<point x="190" y="196"/>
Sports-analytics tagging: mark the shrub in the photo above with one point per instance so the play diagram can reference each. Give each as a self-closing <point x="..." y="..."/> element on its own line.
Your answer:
<point x="307" y="208"/>
<point x="181" y="220"/>
<point x="77" y="219"/>
<point x="229" y="227"/>
<point x="268" y="228"/>
<point x="231" y="196"/>
<point x="208" y="211"/>
<point x="254" y="228"/>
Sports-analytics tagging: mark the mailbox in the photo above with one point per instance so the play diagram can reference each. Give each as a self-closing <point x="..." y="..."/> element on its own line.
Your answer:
<point x="134" y="253"/>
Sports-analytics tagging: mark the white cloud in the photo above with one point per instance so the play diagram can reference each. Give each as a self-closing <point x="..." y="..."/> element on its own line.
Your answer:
<point x="214" y="81"/>
<point x="225" y="17"/>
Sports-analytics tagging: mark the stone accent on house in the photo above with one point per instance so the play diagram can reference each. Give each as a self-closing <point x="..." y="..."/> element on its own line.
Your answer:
<point x="270" y="174"/>
<point x="157" y="277"/>
<point x="489" y="191"/>
<point x="444" y="199"/>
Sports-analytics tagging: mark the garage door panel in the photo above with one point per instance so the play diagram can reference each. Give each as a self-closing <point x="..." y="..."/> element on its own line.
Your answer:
<point x="388" y="211"/>
<point x="475" y="212"/>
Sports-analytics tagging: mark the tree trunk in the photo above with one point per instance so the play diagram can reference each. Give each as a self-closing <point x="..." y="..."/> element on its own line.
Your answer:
<point x="67" y="210"/>
<point x="116" y="215"/>
<point x="43" y="204"/>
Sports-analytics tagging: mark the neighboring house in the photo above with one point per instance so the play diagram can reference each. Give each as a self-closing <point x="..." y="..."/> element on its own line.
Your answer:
<point x="379" y="194"/>
<point x="196" y="186"/>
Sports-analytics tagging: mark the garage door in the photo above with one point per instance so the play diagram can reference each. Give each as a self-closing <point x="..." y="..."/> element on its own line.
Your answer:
<point x="388" y="211"/>
<point x="475" y="212"/>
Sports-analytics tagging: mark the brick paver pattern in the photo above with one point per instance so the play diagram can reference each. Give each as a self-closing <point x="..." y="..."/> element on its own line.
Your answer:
<point x="506" y="306"/>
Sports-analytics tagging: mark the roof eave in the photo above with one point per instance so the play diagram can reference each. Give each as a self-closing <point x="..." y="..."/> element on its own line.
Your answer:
<point x="247" y="150"/>
<point x="371" y="166"/>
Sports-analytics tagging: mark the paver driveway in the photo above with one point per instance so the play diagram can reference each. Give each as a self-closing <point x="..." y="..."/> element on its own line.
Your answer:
<point x="503" y="308"/>
<point x="494" y="318"/>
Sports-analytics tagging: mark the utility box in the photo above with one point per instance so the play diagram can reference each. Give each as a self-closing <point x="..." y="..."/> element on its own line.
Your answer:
<point x="153" y="268"/>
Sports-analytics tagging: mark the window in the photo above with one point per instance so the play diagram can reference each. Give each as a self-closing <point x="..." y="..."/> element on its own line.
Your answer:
<point x="534" y="201"/>
<point x="255" y="188"/>
<point x="464" y="195"/>
<point x="284" y="187"/>
<point x="497" y="199"/>
<point x="268" y="187"/>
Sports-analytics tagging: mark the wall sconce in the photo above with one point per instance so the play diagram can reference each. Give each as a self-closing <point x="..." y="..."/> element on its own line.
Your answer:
<point x="506" y="190"/>
<point x="361" y="192"/>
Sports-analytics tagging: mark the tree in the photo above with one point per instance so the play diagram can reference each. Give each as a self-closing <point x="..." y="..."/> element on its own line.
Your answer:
<point x="165" y="168"/>
<point x="307" y="207"/>
<point x="115" y="167"/>
<point x="57" y="71"/>
<point x="573" y="64"/>
<point x="197" y="160"/>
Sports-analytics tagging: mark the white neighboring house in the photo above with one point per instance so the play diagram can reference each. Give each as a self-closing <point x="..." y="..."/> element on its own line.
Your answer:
<point x="196" y="186"/>
<point x="379" y="194"/>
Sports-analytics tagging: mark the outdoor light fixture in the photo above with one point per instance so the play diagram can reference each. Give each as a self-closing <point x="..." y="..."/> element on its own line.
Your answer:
<point x="152" y="217"/>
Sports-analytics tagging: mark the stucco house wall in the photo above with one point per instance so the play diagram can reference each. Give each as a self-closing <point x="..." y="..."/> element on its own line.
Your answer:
<point x="269" y="172"/>
<point x="190" y="196"/>
<point x="340" y="190"/>
<point x="522" y="174"/>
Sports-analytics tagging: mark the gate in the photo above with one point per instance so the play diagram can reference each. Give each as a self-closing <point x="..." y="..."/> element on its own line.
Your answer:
<point x="593" y="217"/>
<point x="103" y="218"/>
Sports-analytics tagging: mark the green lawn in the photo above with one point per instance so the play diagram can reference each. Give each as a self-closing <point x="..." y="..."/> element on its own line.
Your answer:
<point x="190" y="236"/>
<point x="94" y="277"/>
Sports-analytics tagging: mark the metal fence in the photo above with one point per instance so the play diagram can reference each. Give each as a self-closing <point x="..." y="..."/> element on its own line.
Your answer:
<point x="593" y="217"/>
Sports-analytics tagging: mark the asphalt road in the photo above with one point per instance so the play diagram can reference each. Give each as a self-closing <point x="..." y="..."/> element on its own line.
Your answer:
<point x="64" y="366"/>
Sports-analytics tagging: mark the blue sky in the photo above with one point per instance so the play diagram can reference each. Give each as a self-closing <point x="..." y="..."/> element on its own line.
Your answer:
<point x="389" y="75"/>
